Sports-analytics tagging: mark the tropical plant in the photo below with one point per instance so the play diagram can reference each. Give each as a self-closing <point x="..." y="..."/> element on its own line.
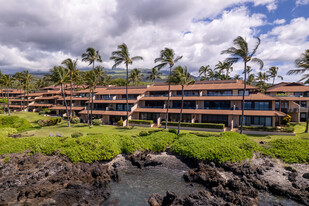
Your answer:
<point x="261" y="80"/>
<point x="120" y="56"/>
<point x="91" y="56"/>
<point x="167" y="57"/>
<point x="273" y="73"/>
<point x="153" y="75"/>
<point x="224" y="67"/>
<point x="237" y="77"/>
<point x="7" y="82"/>
<point x="60" y="76"/>
<point x="251" y="79"/>
<point x="71" y="68"/>
<point x="203" y="72"/>
<point x="240" y="52"/>
<point x="135" y="76"/>
<point x="27" y="78"/>
<point x="182" y="77"/>
<point x="2" y="93"/>
<point x="303" y="66"/>
<point x="18" y="76"/>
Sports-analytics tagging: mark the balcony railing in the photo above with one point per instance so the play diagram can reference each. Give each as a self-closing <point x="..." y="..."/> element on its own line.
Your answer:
<point x="156" y="95"/>
<point x="224" y="95"/>
<point x="185" y="95"/>
<point x="155" y="107"/>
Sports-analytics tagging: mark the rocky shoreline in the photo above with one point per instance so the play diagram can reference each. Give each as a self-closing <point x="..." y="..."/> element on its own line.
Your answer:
<point x="54" y="180"/>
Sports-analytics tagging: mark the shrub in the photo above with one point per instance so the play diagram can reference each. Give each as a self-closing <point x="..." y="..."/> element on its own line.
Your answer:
<point x="287" y="119"/>
<point x="6" y="160"/>
<point x="270" y="129"/>
<point x="49" y="122"/>
<point x="76" y="134"/>
<point x="199" y="125"/>
<point x="44" y="111"/>
<point x="120" y="122"/>
<point x="290" y="150"/>
<point x="136" y="121"/>
<point x="1" y="111"/>
<point x="172" y="131"/>
<point x="94" y="133"/>
<point x="97" y="122"/>
<point x="230" y="146"/>
<point x="14" y="122"/>
<point x="143" y="133"/>
<point x="75" y="120"/>
<point x="205" y="135"/>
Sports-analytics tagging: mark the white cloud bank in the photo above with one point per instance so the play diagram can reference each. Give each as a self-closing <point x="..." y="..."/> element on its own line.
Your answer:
<point x="38" y="34"/>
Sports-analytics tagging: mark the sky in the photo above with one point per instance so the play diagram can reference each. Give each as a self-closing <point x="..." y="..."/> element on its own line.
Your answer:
<point x="36" y="35"/>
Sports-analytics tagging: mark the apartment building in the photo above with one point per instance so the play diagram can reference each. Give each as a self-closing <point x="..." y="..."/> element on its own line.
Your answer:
<point x="292" y="98"/>
<point x="217" y="101"/>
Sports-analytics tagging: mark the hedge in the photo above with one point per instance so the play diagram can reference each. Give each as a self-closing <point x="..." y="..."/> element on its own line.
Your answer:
<point x="198" y="125"/>
<point x="14" y="122"/>
<point x="270" y="129"/>
<point x="136" y="121"/>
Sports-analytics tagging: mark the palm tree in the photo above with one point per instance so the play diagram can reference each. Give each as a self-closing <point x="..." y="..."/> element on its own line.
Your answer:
<point x="241" y="53"/>
<point x="7" y="81"/>
<point x="135" y="76"/>
<point x="204" y="71"/>
<point x="71" y="67"/>
<point x="261" y="80"/>
<point x="181" y="76"/>
<point x="167" y="57"/>
<point x="251" y="79"/>
<point x="40" y="83"/>
<point x="27" y="78"/>
<point x="154" y="74"/>
<point x="224" y="66"/>
<point x="60" y="76"/>
<point x="273" y="73"/>
<point x="303" y="64"/>
<point x="2" y="93"/>
<point x="120" y="56"/>
<point x="91" y="79"/>
<point x="91" y="56"/>
<point x="19" y="77"/>
<point x="237" y="77"/>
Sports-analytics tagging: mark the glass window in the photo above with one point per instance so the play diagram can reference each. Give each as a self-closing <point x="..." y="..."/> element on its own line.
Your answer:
<point x="215" y="119"/>
<point x="298" y="94"/>
<point x="123" y="107"/>
<point x="188" y="93"/>
<point x="220" y="93"/>
<point x="303" y="104"/>
<point x="257" y="120"/>
<point x="217" y="105"/>
<point x="306" y="94"/>
<point x="240" y="92"/>
<point x="186" y="104"/>
<point x="284" y="105"/>
<point x="277" y="105"/>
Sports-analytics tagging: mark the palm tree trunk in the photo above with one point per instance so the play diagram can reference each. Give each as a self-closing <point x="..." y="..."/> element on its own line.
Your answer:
<point x="91" y="106"/>
<point x="7" y="92"/>
<point x="88" y="117"/>
<point x="274" y="80"/>
<point x="307" y="122"/>
<point x="71" y="89"/>
<point x="65" y="103"/>
<point x="3" y="99"/>
<point x="27" y="97"/>
<point x="21" y="99"/>
<point x="180" y="118"/>
<point x="168" y="97"/>
<point x="127" y="95"/>
<point x="243" y="100"/>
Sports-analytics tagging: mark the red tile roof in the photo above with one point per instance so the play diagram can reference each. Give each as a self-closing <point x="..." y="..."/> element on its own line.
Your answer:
<point x="64" y="108"/>
<point x="40" y="105"/>
<point x="119" y="101"/>
<point x="101" y="112"/>
<point x="289" y="89"/>
<point x="121" y="91"/>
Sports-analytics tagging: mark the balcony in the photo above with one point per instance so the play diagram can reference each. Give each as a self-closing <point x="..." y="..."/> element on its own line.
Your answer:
<point x="185" y="95"/>
<point x="156" y="95"/>
<point x="154" y="107"/>
<point x="224" y="95"/>
<point x="217" y="108"/>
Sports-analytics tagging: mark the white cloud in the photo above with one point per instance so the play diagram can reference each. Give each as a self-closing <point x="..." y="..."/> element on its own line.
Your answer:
<point x="302" y="2"/>
<point x="279" y="21"/>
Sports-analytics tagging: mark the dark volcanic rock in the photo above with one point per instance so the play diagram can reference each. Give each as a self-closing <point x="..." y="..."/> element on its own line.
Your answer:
<point x="143" y="160"/>
<point x="53" y="180"/>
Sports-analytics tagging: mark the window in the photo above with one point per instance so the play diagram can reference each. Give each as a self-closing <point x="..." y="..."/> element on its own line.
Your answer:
<point x="240" y="92"/>
<point x="186" y="104"/>
<point x="303" y="104"/>
<point x="175" y="117"/>
<point x="261" y="106"/>
<point x="220" y="93"/>
<point x="123" y="107"/>
<point x="130" y="96"/>
<point x="298" y="94"/>
<point x="154" y="104"/>
<point x="256" y="120"/>
<point x="284" y="105"/>
<point x="149" y="116"/>
<point x="277" y="105"/>
<point x="223" y="119"/>
<point x="217" y="105"/>
<point x="188" y="93"/>
<point x="306" y="94"/>
<point x="303" y="117"/>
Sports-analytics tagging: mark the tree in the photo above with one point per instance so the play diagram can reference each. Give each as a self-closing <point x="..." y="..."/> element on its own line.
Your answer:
<point x="71" y="66"/>
<point x="203" y="72"/>
<point x="153" y="75"/>
<point x="91" y="56"/>
<point x="60" y="76"/>
<point x="303" y="64"/>
<point x="224" y="67"/>
<point x="120" y="56"/>
<point x="135" y="76"/>
<point x="7" y="81"/>
<point x="91" y="80"/>
<point x="182" y="77"/>
<point x="251" y="79"/>
<point x="240" y="52"/>
<point x="118" y="82"/>
<point x="237" y="77"/>
<point x="261" y="80"/>
<point x="40" y="83"/>
<point x="167" y="57"/>
<point x="27" y="78"/>
<point x="2" y="93"/>
<point x="18" y="76"/>
<point x="273" y="73"/>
